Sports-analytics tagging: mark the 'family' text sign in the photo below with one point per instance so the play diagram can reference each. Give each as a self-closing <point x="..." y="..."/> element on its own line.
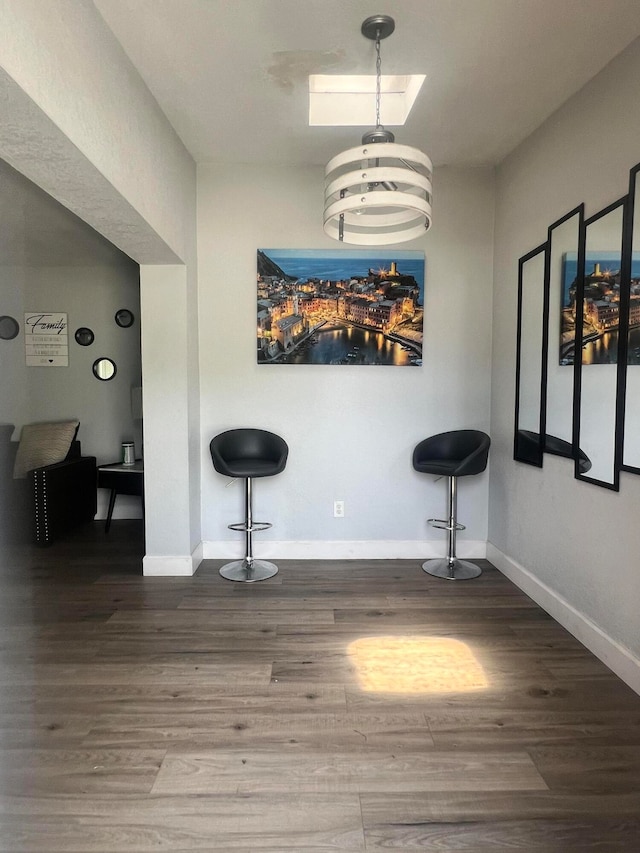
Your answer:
<point x="46" y="339"/>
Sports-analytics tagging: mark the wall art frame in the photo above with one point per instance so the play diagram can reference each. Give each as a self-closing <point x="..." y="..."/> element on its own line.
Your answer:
<point x="336" y="307"/>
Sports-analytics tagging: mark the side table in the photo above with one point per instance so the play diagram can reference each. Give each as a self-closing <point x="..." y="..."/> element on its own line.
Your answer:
<point x="122" y="480"/>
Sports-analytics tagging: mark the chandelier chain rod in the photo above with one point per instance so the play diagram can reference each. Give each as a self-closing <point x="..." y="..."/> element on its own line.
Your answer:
<point x="378" y="78"/>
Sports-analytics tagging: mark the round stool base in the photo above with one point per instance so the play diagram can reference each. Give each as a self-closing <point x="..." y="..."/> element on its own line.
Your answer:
<point x="458" y="570"/>
<point x="240" y="570"/>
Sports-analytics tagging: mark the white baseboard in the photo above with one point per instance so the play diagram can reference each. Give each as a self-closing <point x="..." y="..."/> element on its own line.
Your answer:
<point x="619" y="659"/>
<point x="165" y="566"/>
<point x="366" y="549"/>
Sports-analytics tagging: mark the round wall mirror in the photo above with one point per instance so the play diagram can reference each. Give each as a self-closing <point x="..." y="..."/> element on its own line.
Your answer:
<point x="104" y="369"/>
<point x="84" y="336"/>
<point x="9" y="327"/>
<point x="124" y="318"/>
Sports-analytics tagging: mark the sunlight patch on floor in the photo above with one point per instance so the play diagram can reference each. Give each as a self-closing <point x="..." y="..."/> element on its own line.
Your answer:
<point x="414" y="664"/>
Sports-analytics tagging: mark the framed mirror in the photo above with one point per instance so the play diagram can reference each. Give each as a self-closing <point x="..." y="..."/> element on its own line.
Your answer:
<point x="84" y="336"/>
<point x="104" y="369"/>
<point x="629" y="392"/>
<point x="9" y="328"/>
<point x="597" y="312"/>
<point x="530" y="351"/>
<point x="566" y="247"/>
<point x="124" y="318"/>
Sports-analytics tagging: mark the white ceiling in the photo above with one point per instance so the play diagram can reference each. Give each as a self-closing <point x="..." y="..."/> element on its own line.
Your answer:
<point x="231" y="75"/>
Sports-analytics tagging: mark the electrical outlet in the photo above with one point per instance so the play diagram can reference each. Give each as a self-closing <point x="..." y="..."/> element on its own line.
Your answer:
<point x="338" y="509"/>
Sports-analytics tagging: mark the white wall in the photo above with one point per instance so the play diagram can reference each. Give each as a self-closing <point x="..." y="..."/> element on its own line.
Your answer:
<point x="351" y="430"/>
<point x="573" y="544"/>
<point x="90" y="296"/>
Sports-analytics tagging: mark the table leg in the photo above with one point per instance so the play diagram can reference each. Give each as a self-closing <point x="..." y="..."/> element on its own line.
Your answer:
<point x="112" y="500"/>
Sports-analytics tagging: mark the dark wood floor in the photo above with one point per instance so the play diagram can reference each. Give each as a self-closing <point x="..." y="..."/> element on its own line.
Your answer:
<point x="348" y="706"/>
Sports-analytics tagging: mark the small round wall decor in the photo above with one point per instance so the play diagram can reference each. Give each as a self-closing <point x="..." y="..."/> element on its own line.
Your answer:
<point x="124" y="318"/>
<point x="9" y="327"/>
<point x="84" y="336"/>
<point x="104" y="369"/>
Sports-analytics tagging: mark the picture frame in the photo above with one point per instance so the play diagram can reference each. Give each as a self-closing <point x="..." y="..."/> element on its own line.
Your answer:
<point x="340" y="308"/>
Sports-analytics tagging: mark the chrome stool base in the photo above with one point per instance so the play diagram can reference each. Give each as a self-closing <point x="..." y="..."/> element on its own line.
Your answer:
<point x="453" y="570"/>
<point x="248" y="572"/>
<point x="450" y="567"/>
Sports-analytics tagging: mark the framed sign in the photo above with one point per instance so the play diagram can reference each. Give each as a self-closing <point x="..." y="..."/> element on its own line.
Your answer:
<point x="46" y="339"/>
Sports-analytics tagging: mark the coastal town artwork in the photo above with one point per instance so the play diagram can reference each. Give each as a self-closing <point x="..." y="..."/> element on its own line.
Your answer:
<point x="601" y="310"/>
<point x="354" y="307"/>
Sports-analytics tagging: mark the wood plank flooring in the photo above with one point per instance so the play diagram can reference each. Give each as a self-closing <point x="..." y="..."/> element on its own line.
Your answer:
<point x="339" y="706"/>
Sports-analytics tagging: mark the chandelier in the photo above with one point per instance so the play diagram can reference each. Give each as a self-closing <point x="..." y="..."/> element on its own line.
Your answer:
<point x="380" y="192"/>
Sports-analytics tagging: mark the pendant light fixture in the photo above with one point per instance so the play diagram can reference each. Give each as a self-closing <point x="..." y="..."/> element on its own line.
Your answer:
<point x="380" y="192"/>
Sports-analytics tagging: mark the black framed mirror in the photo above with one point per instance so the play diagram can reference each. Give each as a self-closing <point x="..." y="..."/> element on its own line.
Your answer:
<point x="124" y="318"/>
<point x="84" y="336"/>
<point x="597" y="313"/>
<point x="104" y="369"/>
<point x="629" y="390"/>
<point x="566" y="247"/>
<point x="530" y="361"/>
<point x="9" y="328"/>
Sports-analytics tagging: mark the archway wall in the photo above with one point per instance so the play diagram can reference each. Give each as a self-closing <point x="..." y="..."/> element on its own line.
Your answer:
<point x="77" y="120"/>
<point x="73" y="71"/>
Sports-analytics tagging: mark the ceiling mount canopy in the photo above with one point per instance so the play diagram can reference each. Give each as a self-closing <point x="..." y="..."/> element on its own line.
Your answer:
<point x="379" y="192"/>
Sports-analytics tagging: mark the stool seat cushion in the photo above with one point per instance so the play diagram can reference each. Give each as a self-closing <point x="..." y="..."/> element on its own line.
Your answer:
<point x="248" y="452"/>
<point x="457" y="453"/>
<point x="250" y="468"/>
<point x="440" y="468"/>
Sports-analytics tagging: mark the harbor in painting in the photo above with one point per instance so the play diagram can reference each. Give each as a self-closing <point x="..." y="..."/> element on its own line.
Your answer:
<point x="601" y="308"/>
<point x="349" y="308"/>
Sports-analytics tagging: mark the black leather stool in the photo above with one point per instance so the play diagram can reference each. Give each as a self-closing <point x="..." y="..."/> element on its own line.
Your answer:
<point x="246" y="454"/>
<point x="459" y="453"/>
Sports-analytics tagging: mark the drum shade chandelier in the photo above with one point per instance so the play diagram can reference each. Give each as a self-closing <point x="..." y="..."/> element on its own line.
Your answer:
<point x="380" y="192"/>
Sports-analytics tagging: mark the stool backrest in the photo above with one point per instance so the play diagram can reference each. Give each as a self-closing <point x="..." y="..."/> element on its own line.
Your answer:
<point x="468" y="447"/>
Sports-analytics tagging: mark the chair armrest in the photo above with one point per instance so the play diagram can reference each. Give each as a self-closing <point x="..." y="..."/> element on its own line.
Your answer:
<point x="64" y="496"/>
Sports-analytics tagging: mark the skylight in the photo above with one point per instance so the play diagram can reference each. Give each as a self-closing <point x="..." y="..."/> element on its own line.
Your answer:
<point x="350" y="100"/>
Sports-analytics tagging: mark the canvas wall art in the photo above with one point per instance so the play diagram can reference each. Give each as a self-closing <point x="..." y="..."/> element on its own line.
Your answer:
<point x="354" y="307"/>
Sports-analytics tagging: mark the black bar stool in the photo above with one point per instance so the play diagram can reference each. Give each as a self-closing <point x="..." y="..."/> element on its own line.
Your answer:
<point x="459" y="453"/>
<point x="246" y="454"/>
